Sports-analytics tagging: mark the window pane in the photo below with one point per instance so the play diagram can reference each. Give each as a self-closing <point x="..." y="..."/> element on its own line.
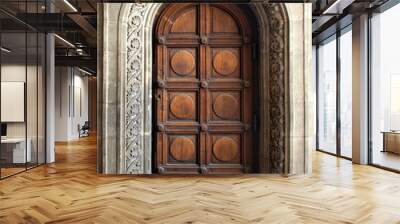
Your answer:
<point x="346" y="94"/>
<point x="327" y="96"/>
<point x="385" y="84"/>
<point x="22" y="89"/>
<point x="15" y="150"/>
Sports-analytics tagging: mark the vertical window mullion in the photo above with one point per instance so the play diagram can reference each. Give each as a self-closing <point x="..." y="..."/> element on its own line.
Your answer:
<point x="26" y="87"/>
<point x="37" y="90"/>
<point x="369" y="78"/>
<point x="338" y="73"/>
<point x="317" y="95"/>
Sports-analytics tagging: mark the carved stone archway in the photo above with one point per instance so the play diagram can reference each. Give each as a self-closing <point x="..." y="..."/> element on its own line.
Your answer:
<point x="135" y="82"/>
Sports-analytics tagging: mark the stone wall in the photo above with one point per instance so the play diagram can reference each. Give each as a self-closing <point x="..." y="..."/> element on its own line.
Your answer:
<point x="302" y="93"/>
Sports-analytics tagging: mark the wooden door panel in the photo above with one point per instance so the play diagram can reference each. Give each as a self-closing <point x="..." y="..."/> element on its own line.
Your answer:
<point x="178" y="149"/>
<point x="225" y="154"/>
<point x="182" y="149"/>
<point x="182" y="106"/>
<point x="203" y="89"/>
<point x="185" y="21"/>
<point x="225" y="106"/>
<point x="179" y="25"/>
<point x="182" y="64"/>
<point x="179" y="153"/>
<point x="226" y="148"/>
<point x="222" y="22"/>
<point x="225" y="63"/>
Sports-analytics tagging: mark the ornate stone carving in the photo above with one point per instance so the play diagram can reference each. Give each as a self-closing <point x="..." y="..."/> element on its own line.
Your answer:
<point x="134" y="106"/>
<point x="278" y="83"/>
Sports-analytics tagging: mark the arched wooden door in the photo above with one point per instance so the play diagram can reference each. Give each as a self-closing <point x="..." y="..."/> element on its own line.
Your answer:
<point x="204" y="89"/>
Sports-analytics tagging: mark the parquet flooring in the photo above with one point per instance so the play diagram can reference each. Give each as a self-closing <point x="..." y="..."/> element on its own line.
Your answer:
<point x="387" y="159"/>
<point x="5" y="172"/>
<point x="70" y="191"/>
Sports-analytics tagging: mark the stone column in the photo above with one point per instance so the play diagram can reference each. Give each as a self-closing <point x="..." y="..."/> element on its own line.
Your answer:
<point x="310" y="131"/>
<point x="107" y="88"/>
<point x="360" y="90"/>
<point x="50" y="99"/>
<point x="302" y="103"/>
<point x="50" y="93"/>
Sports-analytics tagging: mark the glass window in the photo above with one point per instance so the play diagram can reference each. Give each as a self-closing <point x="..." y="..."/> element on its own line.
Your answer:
<point x="22" y="77"/>
<point x="327" y="96"/>
<point x="15" y="150"/>
<point x="385" y="89"/>
<point x="346" y="93"/>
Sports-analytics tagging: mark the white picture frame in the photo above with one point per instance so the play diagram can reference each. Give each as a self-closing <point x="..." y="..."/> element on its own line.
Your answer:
<point x="12" y="101"/>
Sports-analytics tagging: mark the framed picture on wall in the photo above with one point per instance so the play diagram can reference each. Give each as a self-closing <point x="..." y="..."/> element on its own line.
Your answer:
<point x="12" y="101"/>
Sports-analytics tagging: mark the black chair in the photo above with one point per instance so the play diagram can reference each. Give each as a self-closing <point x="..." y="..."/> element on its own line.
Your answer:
<point x="84" y="130"/>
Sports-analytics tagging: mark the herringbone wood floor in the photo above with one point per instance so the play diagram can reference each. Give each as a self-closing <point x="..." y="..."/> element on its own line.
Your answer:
<point x="70" y="191"/>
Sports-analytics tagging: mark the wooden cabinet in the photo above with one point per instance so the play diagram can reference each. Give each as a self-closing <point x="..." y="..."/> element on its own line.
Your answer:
<point x="391" y="142"/>
<point x="204" y="89"/>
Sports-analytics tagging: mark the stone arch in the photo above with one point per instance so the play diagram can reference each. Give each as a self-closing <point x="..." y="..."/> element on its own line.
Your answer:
<point x="273" y="28"/>
<point x="134" y="86"/>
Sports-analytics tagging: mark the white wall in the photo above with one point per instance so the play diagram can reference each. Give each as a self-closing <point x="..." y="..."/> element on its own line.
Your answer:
<point x="34" y="125"/>
<point x="80" y="112"/>
<point x="14" y="73"/>
<point x="62" y="82"/>
<point x="17" y="73"/>
<point x="71" y="102"/>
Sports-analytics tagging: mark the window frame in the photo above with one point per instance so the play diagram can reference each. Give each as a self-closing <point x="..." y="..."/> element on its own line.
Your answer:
<point x="381" y="9"/>
<point x="334" y="37"/>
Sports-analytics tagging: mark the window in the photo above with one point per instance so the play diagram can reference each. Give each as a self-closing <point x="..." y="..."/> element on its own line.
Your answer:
<point x="346" y="93"/>
<point x="334" y="63"/>
<point x="327" y="96"/>
<point x="385" y="89"/>
<point x="23" y="82"/>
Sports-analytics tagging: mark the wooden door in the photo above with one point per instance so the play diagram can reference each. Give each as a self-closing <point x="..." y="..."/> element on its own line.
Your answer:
<point x="203" y="89"/>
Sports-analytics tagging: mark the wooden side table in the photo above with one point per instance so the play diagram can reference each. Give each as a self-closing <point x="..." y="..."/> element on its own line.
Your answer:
<point x="391" y="141"/>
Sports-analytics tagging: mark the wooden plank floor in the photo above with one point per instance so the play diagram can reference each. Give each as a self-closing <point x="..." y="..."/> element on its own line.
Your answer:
<point x="70" y="191"/>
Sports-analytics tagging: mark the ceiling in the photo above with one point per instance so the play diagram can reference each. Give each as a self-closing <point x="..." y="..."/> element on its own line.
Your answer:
<point x="329" y="16"/>
<point x="75" y="22"/>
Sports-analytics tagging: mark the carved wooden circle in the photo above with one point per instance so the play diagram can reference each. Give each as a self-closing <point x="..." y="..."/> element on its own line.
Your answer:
<point x="182" y="149"/>
<point x="225" y="62"/>
<point x="225" y="149"/>
<point x="182" y="62"/>
<point x="182" y="106"/>
<point x="226" y="106"/>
